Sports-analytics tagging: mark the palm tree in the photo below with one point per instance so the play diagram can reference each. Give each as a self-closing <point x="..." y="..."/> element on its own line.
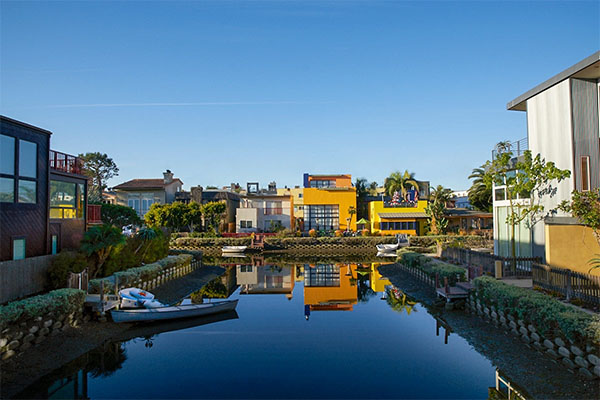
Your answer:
<point x="99" y="241"/>
<point x="400" y="182"/>
<point x="351" y="212"/>
<point x="480" y="193"/>
<point x="146" y="235"/>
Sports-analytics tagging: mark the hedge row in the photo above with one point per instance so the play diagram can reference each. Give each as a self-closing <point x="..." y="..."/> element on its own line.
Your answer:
<point x="549" y="316"/>
<point x="210" y="242"/>
<point x="61" y="301"/>
<point x="360" y="241"/>
<point x="432" y="267"/>
<point x="144" y="273"/>
<point x="469" y="241"/>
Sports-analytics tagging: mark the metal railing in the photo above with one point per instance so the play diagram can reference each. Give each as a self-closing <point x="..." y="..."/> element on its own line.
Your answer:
<point x="517" y="148"/>
<point x="94" y="214"/>
<point x="273" y="210"/>
<point x="568" y="283"/>
<point x="65" y="163"/>
<point x="480" y="263"/>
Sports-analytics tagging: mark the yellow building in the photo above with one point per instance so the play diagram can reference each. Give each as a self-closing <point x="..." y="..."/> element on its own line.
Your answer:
<point x="327" y="201"/>
<point x="298" y="196"/>
<point x="329" y="288"/>
<point x="390" y="219"/>
<point x="378" y="282"/>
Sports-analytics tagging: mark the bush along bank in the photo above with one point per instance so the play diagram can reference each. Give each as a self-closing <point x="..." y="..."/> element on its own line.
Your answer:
<point x="149" y="276"/>
<point x="363" y="243"/>
<point x="28" y="322"/>
<point x="427" y="268"/>
<point x="564" y="333"/>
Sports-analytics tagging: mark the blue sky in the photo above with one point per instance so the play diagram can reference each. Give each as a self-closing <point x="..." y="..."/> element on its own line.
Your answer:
<point x="228" y="91"/>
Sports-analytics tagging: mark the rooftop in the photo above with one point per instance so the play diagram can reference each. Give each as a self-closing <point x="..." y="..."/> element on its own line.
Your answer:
<point x="588" y="68"/>
<point x="145" y="184"/>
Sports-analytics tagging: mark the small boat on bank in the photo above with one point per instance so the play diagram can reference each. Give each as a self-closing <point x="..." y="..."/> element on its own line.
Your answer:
<point x="389" y="248"/>
<point x="172" y="312"/>
<point x="234" y="249"/>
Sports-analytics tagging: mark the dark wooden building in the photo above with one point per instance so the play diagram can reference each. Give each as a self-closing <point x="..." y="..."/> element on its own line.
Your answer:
<point x="42" y="194"/>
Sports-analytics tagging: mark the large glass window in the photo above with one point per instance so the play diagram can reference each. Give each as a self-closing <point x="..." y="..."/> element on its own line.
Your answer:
<point x="321" y="217"/>
<point x="27" y="159"/>
<point x="7" y="155"/>
<point x="65" y="201"/>
<point x="322" y="183"/>
<point x="7" y="190"/>
<point x="27" y="191"/>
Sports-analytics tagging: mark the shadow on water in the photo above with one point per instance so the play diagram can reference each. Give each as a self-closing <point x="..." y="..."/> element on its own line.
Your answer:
<point x="71" y="380"/>
<point x="311" y="317"/>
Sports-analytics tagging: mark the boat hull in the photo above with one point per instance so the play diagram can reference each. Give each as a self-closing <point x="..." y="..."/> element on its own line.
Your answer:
<point x="234" y="249"/>
<point x="173" y="312"/>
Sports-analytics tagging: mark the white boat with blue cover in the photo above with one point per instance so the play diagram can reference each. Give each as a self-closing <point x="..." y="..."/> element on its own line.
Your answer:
<point x="172" y="312"/>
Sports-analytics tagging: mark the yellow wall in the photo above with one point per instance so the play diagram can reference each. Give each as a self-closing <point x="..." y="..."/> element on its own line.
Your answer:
<point x="572" y="247"/>
<point x="343" y="197"/>
<point x="378" y="282"/>
<point x="342" y="296"/>
<point x="298" y="201"/>
<point x="376" y="207"/>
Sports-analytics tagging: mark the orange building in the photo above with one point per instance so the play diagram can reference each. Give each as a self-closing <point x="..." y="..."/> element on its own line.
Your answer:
<point x="329" y="287"/>
<point x="328" y="200"/>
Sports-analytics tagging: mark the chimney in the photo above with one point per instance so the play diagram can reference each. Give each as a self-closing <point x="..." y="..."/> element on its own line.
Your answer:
<point x="196" y="193"/>
<point x="168" y="176"/>
<point x="272" y="187"/>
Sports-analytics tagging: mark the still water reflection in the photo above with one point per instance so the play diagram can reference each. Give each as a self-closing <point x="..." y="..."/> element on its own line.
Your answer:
<point x="327" y="330"/>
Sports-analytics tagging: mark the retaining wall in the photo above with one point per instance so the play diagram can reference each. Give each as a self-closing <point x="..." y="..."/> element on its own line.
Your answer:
<point x="583" y="360"/>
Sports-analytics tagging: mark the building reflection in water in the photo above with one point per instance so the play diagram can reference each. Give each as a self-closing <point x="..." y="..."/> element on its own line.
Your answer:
<point x="268" y="279"/>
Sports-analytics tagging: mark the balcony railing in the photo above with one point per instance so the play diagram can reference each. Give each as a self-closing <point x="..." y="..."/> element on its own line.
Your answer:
<point x="65" y="163"/>
<point x="517" y="148"/>
<point x="273" y="210"/>
<point x="401" y="204"/>
<point x="94" y="215"/>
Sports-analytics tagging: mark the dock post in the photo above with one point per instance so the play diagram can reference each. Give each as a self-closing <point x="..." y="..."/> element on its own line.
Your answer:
<point x="102" y="297"/>
<point x="498" y="269"/>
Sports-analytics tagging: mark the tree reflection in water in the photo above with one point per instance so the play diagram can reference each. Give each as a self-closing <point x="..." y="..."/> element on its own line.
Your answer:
<point x="106" y="360"/>
<point x="399" y="301"/>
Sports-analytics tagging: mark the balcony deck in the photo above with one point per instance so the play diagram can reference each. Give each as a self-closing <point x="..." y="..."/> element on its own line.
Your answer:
<point x="66" y="163"/>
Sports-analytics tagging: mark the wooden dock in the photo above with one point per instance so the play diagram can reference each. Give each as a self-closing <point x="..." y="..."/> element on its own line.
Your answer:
<point x="101" y="304"/>
<point x="460" y="291"/>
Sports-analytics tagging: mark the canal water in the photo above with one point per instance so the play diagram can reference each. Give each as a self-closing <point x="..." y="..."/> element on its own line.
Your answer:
<point x="337" y="330"/>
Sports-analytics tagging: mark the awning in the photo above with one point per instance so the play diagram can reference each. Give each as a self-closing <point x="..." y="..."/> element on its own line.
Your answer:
<point x="406" y="215"/>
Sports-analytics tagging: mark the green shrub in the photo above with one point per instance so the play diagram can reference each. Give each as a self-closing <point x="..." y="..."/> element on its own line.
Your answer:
<point x="61" y="301"/>
<point x="64" y="263"/>
<point x="549" y="316"/>
<point x="132" y="275"/>
<point x="134" y="252"/>
<point x="431" y="267"/>
<point x="470" y="241"/>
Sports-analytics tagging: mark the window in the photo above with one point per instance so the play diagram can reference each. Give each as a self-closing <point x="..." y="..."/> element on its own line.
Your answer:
<point x="65" y="201"/>
<point x="27" y="191"/>
<point x="27" y="159"/>
<point x="322" y="183"/>
<point x="500" y="194"/>
<point x="18" y="249"/>
<point x="146" y="203"/>
<point x="322" y="276"/>
<point x="7" y="155"/>
<point x="245" y="224"/>
<point x="245" y="268"/>
<point x="321" y="217"/>
<point x="585" y="173"/>
<point x="7" y="190"/>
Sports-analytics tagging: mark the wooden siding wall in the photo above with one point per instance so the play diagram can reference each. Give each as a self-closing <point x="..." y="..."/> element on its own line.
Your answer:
<point x="20" y="278"/>
<point x="27" y="220"/>
<point x="584" y="96"/>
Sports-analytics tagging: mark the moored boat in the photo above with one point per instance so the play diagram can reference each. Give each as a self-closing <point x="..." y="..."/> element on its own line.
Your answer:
<point x="172" y="312"/>
<point x="234" y="249"/>
<point x="388" y="248"/>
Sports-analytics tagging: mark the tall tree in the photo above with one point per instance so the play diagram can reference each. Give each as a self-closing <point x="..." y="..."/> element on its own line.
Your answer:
<point x="436" y="209"/>
<point x="363" y="190"/>
<point x="99" y="241"/>
<point x="119" y="216"/>
<point x="526" y="180"/>
<point x="400" y="182"/>
<point x="351" y="213"/>
<point x="213" y="212"/>
<point x="99" y="168"/>
<point x="480" y="192"/>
